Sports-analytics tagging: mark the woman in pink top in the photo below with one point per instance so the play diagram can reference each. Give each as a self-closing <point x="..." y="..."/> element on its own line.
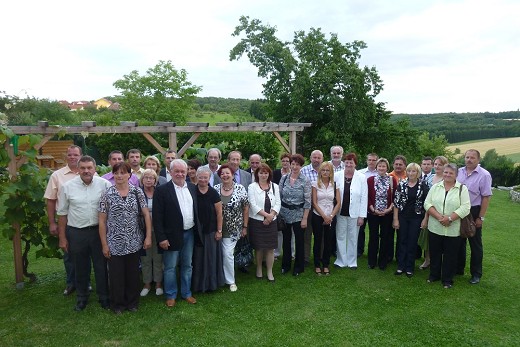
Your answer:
<point x="324" y="192"/>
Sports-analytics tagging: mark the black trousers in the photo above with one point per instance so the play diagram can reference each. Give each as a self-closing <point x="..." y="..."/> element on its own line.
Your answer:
<point x="84" y="247"/>
<point x="299" y="247"/>
<point x="443" y="257"/>
<point x="379" y="239"/>
<point x="361" y="239"/>
<point x="124" y="281"/>
<point x="477" y="250"/>
<point x="321" y="232"/>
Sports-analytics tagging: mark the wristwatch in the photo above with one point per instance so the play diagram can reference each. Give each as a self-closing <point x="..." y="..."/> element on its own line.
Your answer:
<point x="481" y="218"/>
<point x="449" y="218"/>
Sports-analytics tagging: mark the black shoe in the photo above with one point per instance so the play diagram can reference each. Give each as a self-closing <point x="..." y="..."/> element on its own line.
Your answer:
<point x="352" y="267"/>
<point x="132" y="309"/>
<point x="296" y="273"/>
<point x="284" y="271"/>
<point x="80" y="306"/>
<point x="398" y="273"/>
<point x="105" y="304"/>
<point x="474" y="280"/>
<point x="69" y="290"/>
<point x="371" y="267"/>
<point x="409" y="274"/>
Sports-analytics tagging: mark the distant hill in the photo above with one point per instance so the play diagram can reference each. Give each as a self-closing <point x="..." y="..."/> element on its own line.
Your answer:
<point x="459" y="127"/>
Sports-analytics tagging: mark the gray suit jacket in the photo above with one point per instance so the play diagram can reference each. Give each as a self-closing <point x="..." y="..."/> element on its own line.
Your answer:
<point x="245" y="178"/>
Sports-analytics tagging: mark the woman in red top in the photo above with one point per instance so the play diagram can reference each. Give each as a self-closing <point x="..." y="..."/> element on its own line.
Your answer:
<point x="381" y="190"/>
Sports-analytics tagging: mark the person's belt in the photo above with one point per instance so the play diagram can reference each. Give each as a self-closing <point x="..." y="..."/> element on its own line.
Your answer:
<point x="292" y="207"/>
<point x="86" y="228"/>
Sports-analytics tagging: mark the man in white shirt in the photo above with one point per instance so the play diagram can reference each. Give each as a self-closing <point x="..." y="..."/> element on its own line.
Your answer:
<point x="169" y="156"/>
<point x="79" y="232"/>
<point x="214" y="155"/>
<point x="311" y="172"/>
<point x="369" y="171"/>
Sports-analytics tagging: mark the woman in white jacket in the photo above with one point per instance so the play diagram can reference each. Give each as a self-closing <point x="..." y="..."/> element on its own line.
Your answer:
<point x="353" y="190"/>
<point x="264" y="206"/>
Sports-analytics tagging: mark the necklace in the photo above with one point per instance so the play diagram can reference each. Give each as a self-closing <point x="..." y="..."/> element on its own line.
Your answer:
<point x="227" y="189"/>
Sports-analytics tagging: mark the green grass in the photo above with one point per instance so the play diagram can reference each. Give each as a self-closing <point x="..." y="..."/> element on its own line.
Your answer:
<point x="348" y="308"/>
<point x="515" y="157"/>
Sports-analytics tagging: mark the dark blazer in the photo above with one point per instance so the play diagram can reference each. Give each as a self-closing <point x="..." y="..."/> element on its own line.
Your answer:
<point x="245" y="178"/>
<point x="167" y="216"/>
<point x="163" y="172"/>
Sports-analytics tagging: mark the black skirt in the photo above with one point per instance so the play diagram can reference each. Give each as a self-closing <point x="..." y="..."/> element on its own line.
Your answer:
<point x="263" y="236"/>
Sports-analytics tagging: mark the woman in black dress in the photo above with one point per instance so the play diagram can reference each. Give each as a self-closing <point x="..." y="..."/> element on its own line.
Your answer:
<point x="208" y="272"/>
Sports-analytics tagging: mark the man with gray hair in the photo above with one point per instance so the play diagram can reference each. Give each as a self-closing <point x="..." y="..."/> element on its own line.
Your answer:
<point x="175" y="222"/>
<point x="254" y="163"/>
<point x="336" y="156"/>
<point x="213" y="156"/>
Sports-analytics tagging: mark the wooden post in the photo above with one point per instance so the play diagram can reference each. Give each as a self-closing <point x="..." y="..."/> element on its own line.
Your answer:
<point x="17" y="238"/>
<point x="172" y="141"/>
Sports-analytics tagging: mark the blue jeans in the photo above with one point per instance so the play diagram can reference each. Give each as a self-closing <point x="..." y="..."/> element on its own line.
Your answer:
<point x="170" y="260"/>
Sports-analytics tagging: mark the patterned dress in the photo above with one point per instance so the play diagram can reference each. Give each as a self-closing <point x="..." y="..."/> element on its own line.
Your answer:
<point x="123" y="234"/>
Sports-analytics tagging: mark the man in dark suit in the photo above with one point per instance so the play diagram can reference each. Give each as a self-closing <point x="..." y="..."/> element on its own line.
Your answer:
<point x="168" y="158"/>
<point x="241" y="176"/>
<point x="254" y="163"/>
<point x="175" y="223"/>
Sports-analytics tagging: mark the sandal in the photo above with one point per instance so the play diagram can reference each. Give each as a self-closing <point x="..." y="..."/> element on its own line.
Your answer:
<point x="318" y="271"/>
<point x="326" y="271"/>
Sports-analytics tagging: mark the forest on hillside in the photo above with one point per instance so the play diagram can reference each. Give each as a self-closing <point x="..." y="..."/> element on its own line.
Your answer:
<point x="459" y="127"/>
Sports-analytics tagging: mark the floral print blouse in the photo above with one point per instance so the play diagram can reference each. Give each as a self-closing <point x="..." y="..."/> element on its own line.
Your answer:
<point x="233" y="211"/>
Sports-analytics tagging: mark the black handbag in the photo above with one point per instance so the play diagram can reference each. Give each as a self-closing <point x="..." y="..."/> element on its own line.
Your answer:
<point x="140" y="219"/>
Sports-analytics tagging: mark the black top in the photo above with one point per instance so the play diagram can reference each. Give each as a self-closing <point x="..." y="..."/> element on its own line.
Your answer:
<point x="207" y="213"/>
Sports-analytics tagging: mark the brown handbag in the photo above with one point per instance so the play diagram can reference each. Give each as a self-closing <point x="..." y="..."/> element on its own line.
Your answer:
<point x="467" y="224"/>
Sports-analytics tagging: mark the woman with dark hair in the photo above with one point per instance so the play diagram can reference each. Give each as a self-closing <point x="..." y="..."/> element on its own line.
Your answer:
<point x="193" y="165"/>
<point x="324" y="193"/>
<point x="235" y="215"/>
<point x="264" y="205"/>
<point x="352" y="187"/>
<point x="295" y="194"/>
<point x="208" y="273"/>
<point x="409" y="217"/>
<point x="381" y="192"/>
<point x="447" y="203"/>
<point x="285" y="159"/>
<point x="121" y="239"/>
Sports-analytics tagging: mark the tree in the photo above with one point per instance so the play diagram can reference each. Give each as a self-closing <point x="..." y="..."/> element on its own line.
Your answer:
<point x="316" y="79"/>
<point x="162" y="94"/>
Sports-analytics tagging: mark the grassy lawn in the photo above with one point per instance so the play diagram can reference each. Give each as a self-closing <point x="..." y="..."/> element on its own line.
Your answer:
<point x="215" y="117"/>
<point x="349" y="308"/>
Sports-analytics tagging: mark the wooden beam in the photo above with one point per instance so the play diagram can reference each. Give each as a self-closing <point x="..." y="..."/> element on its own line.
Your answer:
<point x="292" y="141"/>
<point x="17" y="238"/>
<point x="282" y="141"/>
<point x="172" y="142"/>
<point x="187" y="145"/>
<point x="154" y="142"/>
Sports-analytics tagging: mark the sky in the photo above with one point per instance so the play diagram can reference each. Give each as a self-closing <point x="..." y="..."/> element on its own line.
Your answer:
<point x="432" y="56"/>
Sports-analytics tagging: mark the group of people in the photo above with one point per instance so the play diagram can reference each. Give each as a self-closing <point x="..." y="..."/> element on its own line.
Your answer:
<point x="145" y="223"/>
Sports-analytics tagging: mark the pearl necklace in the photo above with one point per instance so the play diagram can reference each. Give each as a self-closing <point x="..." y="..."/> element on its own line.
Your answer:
<point x="227" y="189"/>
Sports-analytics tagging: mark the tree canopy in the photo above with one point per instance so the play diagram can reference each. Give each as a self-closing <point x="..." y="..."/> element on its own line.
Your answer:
<point x="317" y="79"/>
<point x="161" y="94"/>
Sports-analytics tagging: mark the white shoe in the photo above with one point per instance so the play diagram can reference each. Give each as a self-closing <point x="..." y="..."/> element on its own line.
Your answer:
<point x="233" y="287"/>
<point x="145" y="291"/>
<point x="159" y="291"/>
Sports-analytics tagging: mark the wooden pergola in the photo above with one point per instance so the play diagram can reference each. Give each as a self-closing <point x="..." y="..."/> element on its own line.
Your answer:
<point x="89" y="127"/>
